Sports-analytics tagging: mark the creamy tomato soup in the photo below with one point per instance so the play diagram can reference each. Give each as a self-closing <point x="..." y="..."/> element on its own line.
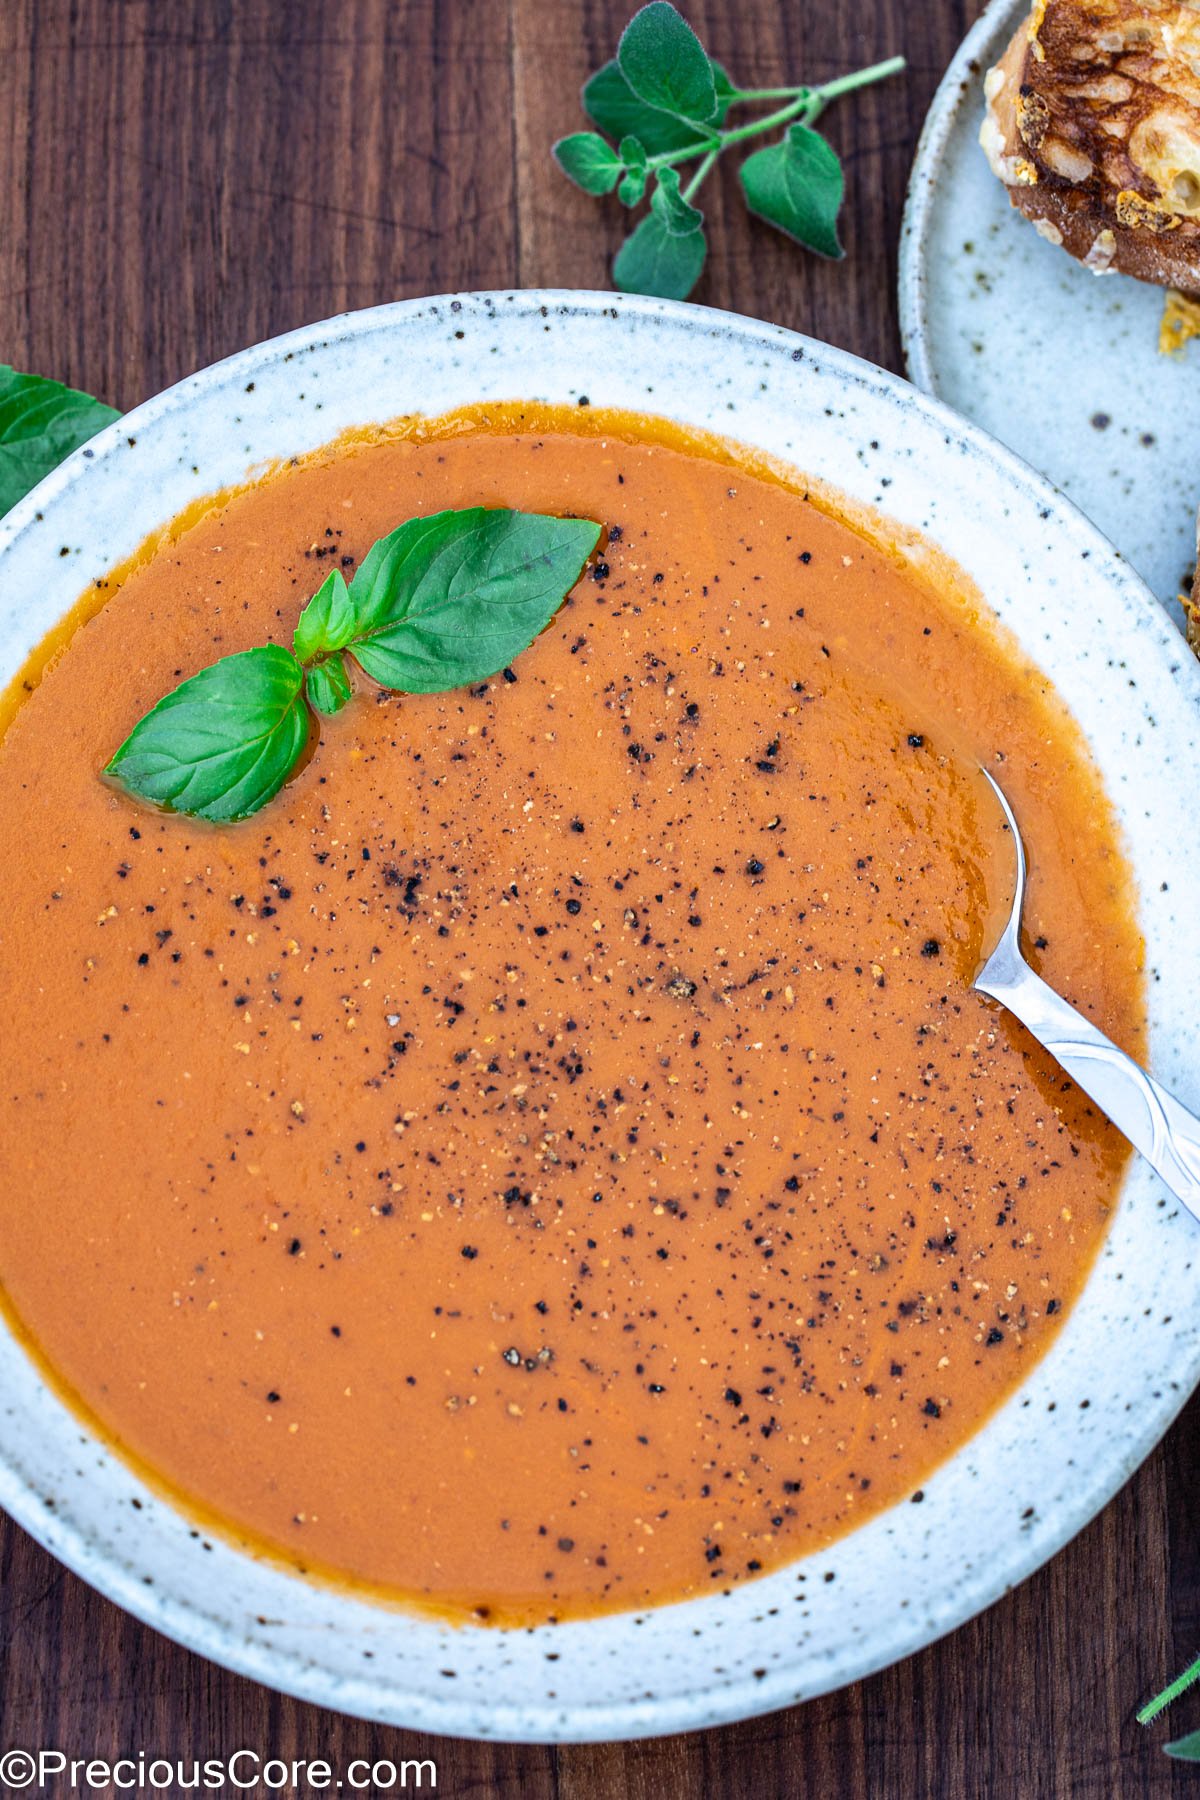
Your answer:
<point x="551" y="1159"/>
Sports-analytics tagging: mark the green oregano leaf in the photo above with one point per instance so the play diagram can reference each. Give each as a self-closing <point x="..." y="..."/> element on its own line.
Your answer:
<point x="449" y="600"/>
<point x="655" y="260"/>
<point x="224" y="741"/>
<point x="668" y="205"/>
<point x="796" y="185"/>
<point x="666" y="65"/>
<point x="327" y="685"/>
<point x="41" y="422"/>
<point x="611" y="104"/>
<point x="1185" y="1749"/>
<point x="633" y="157"/>
<point x="589" y="161"/>
<point x="328" y="622"/>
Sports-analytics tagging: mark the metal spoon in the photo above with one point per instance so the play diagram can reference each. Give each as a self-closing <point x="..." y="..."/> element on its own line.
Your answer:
<point x="1156" y="1124"/>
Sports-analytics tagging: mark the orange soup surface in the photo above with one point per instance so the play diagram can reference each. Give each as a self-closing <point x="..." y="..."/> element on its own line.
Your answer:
<point x="551" y="1159"/>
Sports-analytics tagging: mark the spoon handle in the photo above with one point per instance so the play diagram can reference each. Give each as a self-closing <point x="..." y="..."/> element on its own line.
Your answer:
<point x="1156" y="1124"/>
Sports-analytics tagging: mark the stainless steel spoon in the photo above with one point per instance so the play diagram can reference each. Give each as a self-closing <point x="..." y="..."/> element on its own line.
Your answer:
<point x="1156" y="1124"/>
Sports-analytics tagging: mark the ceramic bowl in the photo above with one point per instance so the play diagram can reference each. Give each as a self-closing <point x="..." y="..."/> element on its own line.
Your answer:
<point x="1130" y="1351"/>
<point x="1061" y="365"/>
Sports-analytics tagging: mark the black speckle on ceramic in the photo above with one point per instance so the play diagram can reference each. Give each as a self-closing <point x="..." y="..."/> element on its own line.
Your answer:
<point x="1131" y="1347"/>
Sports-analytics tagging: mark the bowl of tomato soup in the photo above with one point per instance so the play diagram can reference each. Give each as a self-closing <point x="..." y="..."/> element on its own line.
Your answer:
<point x="532" y="1234"/>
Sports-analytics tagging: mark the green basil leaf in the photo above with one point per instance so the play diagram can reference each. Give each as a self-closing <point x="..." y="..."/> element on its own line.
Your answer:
<point x="448" y="600"/>
<point x="1185" y="1749"/>
<point x="633" y="157"/>
<point x="224" y="741"/>
<point x="327" y="685"/>
<point x="438" y="603"/>
<point x="611" y="104"/>
<point x="328" y="622"/>
<point x="656" y="261"/>
<point x="666" y="65"/>
<point x="589" y="161"/>
<point x="668" y="205"/>
<point x="796" y="185"/>
<point x="41" y="422"/>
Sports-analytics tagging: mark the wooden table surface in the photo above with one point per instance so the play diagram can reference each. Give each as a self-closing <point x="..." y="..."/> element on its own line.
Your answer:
<point x="180" y="178"/>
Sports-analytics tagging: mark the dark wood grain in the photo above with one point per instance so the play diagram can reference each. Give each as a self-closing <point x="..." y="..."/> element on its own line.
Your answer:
<point x="179" y="178"/>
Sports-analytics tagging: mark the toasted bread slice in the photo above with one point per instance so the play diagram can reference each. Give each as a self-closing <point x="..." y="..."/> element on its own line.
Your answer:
<point x="1093" y="124"/>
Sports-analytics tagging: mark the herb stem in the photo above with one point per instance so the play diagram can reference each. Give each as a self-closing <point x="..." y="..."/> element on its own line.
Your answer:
<point x="668" y="158"/>
<point x="800" y="103"/>
<point x="780" y="93"/>
<point x="848" y="84"/>
<point x="699" y="175"/>
<point x="844" y="84"/>
<point x="805" y="102"/>
<point x="1161" y="1701"/>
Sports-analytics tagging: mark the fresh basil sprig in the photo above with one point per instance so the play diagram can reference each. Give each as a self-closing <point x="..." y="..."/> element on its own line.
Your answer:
<point x="220" y="745"/>
<point x="663" y="101"/>
<point x="438" y="603"/>
<point x="41" y="421"/>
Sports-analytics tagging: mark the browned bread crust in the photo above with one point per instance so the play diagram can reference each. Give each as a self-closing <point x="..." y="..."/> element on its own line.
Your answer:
<point x="1093" y="124"/>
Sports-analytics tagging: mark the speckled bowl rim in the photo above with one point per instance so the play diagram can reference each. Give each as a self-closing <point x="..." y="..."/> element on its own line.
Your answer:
<point x="995" y="24"/>
<point x="637" y="1675"/>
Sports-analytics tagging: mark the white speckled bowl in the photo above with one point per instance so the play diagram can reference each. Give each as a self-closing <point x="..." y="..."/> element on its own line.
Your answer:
<point x="1130" y="1351"/>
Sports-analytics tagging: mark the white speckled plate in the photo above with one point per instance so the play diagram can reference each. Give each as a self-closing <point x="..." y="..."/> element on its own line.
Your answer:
<point x="1130" y="1350"/>
<point x="1060" y="364"/>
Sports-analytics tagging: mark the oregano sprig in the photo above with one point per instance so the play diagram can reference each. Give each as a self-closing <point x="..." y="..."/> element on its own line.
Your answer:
<point x="663" y="102"/>
<point x="439" y="603"/>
